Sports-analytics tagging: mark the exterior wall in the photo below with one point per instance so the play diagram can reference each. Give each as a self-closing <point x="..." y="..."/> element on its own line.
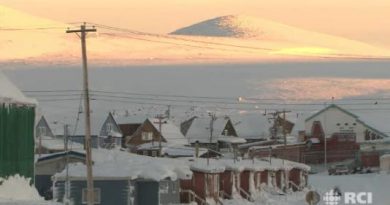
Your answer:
<point x="334" y="120"/>
<point x="263" y="177"/>
<point x="226" y="183"/>
<point x="111" y="192"/>
<point x="127" y="131"/>
<point x="80" y="139"/>
<point x="43" y="123"/>
<point x="295" y="177"/>
<point x="199" y="184"/>
<point x="169" y="192"/>
<point x="136" y="138"/>
<point x="185" y="126"/>
<point x="278" y="175"/>
<point x="244" y="182"/>
<point x="104" y="131"/>
<point x="124" y="192"/>
<point x="17" y="140"/>
<point x="369" y="159"/>
<point x="184" y="186"/>
<point x="205" y="185"/>
<point x="43" y="184"/>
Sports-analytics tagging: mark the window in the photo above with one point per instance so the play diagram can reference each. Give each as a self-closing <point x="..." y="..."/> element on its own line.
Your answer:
<point x="346" y="124"/>
<point x="145" y="152"/>
<point x="109" y="127"/>
<point x="154" y="153"/>
<point x="338" y="124"/>
<point x="41" y="131"/>
<point x="96" y="195"/>
<point x="147" y="136"/>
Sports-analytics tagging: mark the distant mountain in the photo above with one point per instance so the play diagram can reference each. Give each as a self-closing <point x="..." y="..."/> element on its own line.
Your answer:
<point x="247" y="27"/>
<point x="29" y="39"/>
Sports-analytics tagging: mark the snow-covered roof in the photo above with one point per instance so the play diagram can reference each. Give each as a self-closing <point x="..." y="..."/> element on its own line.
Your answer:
<point x="131" y="119"/>
<point x="200" y="130"/>
<point x="97" y="122"/>
<point x="251" y="126"/>
<point x="115" y="164"/>
<point x="172" y="151"/>
<point x="385" y="156"/>
<point x="375" y="120"/>
<point x="9" y="93"/>
<point x="57" y="143"/>
<point x="201" y="165"/>
<point x="231" y="140"/>
<point x="299" y="122"/>
<point x="220" y="165"/>
<point x="170" y="132"/>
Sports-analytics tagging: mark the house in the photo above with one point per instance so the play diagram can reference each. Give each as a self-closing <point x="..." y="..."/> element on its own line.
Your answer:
<point x="110" y="135"/>
<point x="104" y="131"/>
<point x="49" y="140"/>
<point x="149" y="132"/>
<point x="17" y="115"/>
<point x="368" y="126"/>
<point x="121" y="178"/>
<point x="252" y="127"/>
<point x="49" y="164"/>
<point x="222" y="135"/>
<point x="339" y="147"/>
<point x="128" y="125"/>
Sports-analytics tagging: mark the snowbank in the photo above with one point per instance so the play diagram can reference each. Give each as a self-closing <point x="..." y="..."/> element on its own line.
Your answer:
<point x="9" y="93"/>
<point x="24" y="191"/>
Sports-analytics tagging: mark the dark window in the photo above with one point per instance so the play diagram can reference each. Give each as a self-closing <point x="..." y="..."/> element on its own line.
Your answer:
<point x="346" y="124"/>
<point x="338" y="124"/>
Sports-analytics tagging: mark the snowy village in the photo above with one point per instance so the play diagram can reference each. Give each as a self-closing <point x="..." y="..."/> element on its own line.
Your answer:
<point x="231" y="110"/>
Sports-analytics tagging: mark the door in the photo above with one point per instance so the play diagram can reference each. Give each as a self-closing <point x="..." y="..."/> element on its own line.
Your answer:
<point x="147" y="193"/>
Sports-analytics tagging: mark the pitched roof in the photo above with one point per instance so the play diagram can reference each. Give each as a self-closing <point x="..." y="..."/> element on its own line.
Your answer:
<point x="9" y="93"/>
<point x="329" y="107"/>
<point x="251" y="126"/>
<point x="199" y="130"/>
<point x="376" y="121"/>
<point x="170" y="132"/>
<point x="131" y="119"/>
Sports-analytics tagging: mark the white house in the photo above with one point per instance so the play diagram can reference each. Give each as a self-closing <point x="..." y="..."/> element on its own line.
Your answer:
<point x="335" y="119"/>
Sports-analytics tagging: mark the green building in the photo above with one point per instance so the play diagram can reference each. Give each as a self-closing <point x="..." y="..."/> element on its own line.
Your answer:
<point x="17" y="115"/>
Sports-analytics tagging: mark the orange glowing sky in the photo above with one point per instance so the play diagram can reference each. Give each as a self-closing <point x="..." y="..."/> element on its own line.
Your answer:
<point x="365" y="20"/>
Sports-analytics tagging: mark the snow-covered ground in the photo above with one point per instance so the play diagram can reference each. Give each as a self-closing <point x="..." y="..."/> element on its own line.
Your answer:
<point x="295" y="82"/>
<point x="378" y="184"/>
<point x="17" y="190"/>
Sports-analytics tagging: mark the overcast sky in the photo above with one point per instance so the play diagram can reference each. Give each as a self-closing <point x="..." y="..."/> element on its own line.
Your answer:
<point x="366" y="20"/>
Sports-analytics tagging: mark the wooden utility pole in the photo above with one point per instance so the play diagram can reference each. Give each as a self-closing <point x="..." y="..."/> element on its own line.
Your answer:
<point x="213" y="118"/>
<point x="160" y="122"/>
<point x="83" y="33"/>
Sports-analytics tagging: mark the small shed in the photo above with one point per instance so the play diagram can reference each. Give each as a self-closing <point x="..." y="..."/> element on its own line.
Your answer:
<point x="385" y="163"/>
<point x="205" y="180"/>
<point x="48" y="165"/>
<point x="122" y="178"/>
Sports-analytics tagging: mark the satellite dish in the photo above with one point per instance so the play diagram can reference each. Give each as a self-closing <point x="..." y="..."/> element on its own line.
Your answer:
<point x="312" y="197"/>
